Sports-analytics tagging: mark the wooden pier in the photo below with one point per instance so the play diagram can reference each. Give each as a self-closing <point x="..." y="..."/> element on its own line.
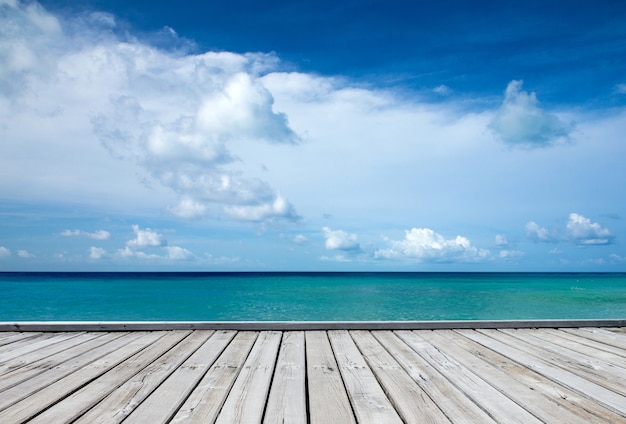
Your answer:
<point x="499" y="374"/>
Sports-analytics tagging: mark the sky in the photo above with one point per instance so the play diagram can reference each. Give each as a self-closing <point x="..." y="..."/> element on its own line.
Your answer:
<point x="312" y="136"/>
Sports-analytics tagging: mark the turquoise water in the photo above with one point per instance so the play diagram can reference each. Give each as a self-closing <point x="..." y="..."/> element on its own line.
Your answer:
<point x="309" y="296"/>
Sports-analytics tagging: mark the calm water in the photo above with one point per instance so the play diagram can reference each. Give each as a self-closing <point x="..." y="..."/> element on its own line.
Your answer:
<point x="309" y="296"/>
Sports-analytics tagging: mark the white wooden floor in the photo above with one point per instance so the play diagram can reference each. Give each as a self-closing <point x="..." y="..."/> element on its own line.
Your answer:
<point x="569" y="376"/>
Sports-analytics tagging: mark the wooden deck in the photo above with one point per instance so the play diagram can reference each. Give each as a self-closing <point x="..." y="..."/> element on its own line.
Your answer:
<point x="565" y="375"/>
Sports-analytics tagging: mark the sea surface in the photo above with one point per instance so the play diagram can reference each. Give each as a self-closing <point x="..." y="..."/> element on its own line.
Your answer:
<point x="310" y="296"/>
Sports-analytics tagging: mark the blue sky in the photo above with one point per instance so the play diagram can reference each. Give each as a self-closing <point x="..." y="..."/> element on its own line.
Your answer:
<point x="353" y="135"/>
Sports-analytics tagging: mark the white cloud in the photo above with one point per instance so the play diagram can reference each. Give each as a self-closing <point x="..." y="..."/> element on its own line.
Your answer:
<point x="25" y="254"/>
<point x="177" y="253"/>
<point x="178" y="116"/>
<point x="4" y="252"/>
<point x="620" y="88"/>
<point x="537" y="233"/>
<point x="188" y="208"/>
<point x="145" y="238"/>
<point x="96" y="235"/>
<point x="521" y="122"/>
<point x="271" y="210"/>
<point x="300" y="239"/>
<point x="96" y="252"/>
<point x="501" y="241"/>
<point x="508" y="254"/>
<point x="423" y="244"/>
<point x="617" y="258"/>
<point x="443" y="90"/>
<point x="582" y="231"/>
<point x="341" y="240"/>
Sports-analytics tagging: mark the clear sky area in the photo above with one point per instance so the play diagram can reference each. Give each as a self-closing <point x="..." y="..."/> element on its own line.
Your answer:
<point x="312" y="136"/>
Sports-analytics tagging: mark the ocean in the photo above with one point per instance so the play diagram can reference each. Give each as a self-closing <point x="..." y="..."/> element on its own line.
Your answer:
<point x="314" y="296"/>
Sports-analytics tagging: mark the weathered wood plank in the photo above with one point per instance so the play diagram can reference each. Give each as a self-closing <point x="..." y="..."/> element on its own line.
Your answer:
<point x="287" y="398"/>
<point x="578" y="404"/>
<point x="601" y="335"/>
<point x="586" y="341"/>
<point x="328" y="400"/>
<point x="165" y="401"/>
<point x="31" y="358"/>
<point x="581" y="348"/>
<point x="591" y="368"/>
<point x="124" y="399"/>
<point x="246" y="401"/>
<point x="457" y="406"/>
<point x="14" y="336"/>
<point x="34" y="346"/>
<point x="24" y="345"/>
<point x="52" y="393"/>
<point x="369" y="402"/>
<point x="515" y="350"/>
<point x="410" y="401"/>
<point x="49" y="371"/>
<point x="204" y="403"/>
<point x="80" y="401"/>
<point x="498" y="405"/>
<point x="507" y="377"/>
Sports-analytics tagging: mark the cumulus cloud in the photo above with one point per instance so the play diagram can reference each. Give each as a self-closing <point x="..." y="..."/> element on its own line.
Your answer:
<point x="145" y="238"/>
<point x="177" y="253"/>
<point x="341" y="240"/>
<point x="540" y="234"/>
<point x="425" y="245"/>
<point x="521" y="122"/>
<point x="96" y="235"/>
<point x="584" y="232"/>
<point x="150" y="245"/>
<point x="178" y="116"/>
<point x="4" y="252"/>
<point x="96" y="252"/>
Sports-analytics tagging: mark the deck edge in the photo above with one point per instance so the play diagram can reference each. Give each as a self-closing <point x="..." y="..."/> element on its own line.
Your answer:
<point x="26" y="326"/>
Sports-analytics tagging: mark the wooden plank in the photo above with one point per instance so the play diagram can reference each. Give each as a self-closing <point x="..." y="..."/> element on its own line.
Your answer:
<point x="165" y="401"/>
<point x="34" y="345"/>
<point x="37" y="356"/>
<point x="80" y="401"/>
<point x="42" y="399"/>
<point x="124" y="399"/>
<point x="581" y="339"/>
<point x="287" y="398"/>
<point x="246" y="401"/>
<point x="516" y="350"/>
<point x="23" y="344"/>
<point x="12" y="337"/>
<point x="582" y="346"/>
<point x="457" y="406"/>
<point x="513" y="380"/>
<point x="596" y="370"/>
<point x="328" y="399"/>
<point x="22" y="383"/>
<point x="606" y="336"/>
<point x="207" y="399"/>
<point x="578" y="404"/>
<point x="497" y="405"/>
<point x="368" y="399"/>
<point x="410" y="401"/>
